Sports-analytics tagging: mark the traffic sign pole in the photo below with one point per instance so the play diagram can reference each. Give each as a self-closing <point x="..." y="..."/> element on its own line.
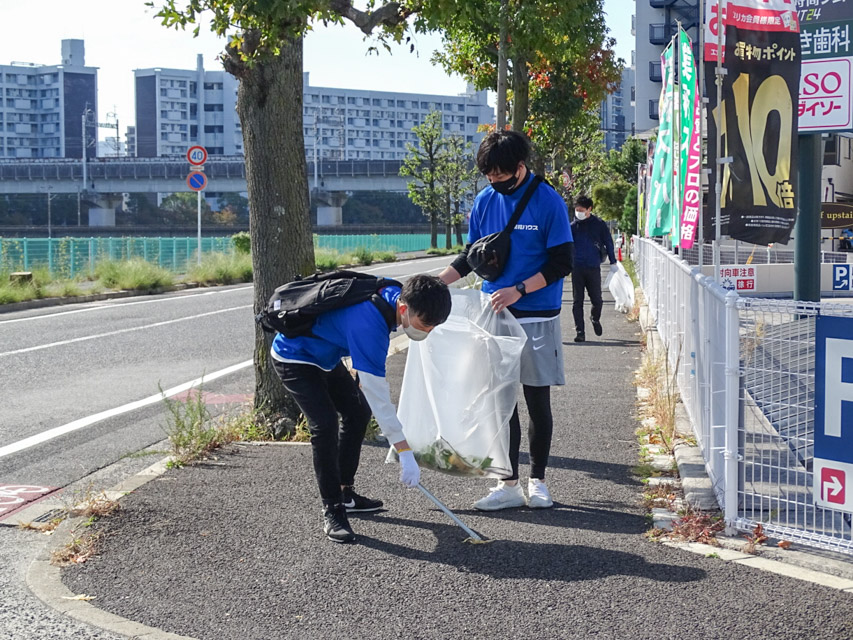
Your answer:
<point x="199" y="226"/>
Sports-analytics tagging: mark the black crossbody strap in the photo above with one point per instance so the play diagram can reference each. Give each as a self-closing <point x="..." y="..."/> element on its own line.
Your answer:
<point x="522" y="204"/>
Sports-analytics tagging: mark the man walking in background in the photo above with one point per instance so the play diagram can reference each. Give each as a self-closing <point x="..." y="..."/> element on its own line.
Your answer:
<point x="592" y="245"/>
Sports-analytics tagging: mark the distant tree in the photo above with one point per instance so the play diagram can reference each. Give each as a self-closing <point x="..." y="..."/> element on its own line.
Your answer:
<point x="236" y="204"/>
<point x="456" y="174"/>
<point x="620" y="173"/>
<point x="422" y="164"/>
<point x="628" y="221"/>
<point x="609" y="198"/>
<point x="182" y="209"/>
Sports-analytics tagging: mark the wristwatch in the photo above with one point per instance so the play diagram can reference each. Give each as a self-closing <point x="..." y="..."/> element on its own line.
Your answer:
<point x="521" y="289"/>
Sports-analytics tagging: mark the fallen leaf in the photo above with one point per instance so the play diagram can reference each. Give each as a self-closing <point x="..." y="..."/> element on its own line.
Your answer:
<point x="784" y="544"/>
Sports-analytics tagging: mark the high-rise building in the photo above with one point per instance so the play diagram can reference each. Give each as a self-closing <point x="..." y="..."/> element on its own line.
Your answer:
<point x="656" y="22"/>
<point x="617" y="112"/>
<point x="177" y="108"/>
<point x="43" y="108"/>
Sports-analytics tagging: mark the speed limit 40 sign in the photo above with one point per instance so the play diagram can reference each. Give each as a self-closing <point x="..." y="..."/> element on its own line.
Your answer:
<point x="197" y="155"/>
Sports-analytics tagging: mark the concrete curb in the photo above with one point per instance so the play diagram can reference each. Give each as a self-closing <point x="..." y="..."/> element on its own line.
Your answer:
<point x="699" y="494"/>
<point x="94" y="297"/>
<point x="45" y="581"/>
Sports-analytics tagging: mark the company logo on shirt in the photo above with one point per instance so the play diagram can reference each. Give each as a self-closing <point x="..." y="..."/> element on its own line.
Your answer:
<point x="527" y="227"/>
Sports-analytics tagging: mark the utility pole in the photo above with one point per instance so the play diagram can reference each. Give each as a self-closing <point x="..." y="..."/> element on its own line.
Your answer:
<point x="718" y="186"/>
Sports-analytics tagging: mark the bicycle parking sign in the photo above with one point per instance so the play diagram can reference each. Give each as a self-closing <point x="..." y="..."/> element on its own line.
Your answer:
<point x="833" y="415"/>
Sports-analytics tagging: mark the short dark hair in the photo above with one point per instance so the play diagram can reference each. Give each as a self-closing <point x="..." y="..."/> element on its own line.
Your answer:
<point x="428" y="298"/>
<point x="584" y="201"/>
<point x="502" y="150"/>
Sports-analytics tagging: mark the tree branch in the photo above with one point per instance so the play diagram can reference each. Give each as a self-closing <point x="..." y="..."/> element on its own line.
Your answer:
<point x="391" y="14"/>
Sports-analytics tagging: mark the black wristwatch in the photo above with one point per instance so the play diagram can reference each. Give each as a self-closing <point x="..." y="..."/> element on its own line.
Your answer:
<point x="521" y="289"/>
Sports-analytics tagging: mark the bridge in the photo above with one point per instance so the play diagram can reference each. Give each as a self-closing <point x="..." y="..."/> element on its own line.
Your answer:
<point x="226" y="174"/>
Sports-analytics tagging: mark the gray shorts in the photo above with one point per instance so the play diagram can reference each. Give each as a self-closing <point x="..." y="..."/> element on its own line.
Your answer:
<point x="542" y="356"/>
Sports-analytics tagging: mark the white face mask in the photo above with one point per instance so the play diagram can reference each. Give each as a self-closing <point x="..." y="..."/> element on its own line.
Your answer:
<point x="414" y="334"/>
<point x="581" y="215"/>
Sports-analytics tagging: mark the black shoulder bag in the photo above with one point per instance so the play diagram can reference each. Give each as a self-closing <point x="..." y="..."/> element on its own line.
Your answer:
<point x="488" y="255"/>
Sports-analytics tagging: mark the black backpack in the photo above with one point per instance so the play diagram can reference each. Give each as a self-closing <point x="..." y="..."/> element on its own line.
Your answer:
<point x="293" y="307"/>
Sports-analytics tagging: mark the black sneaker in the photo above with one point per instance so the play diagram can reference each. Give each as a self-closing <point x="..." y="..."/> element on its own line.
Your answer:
<point x="581" y="337"/>
<point x="355" y="503"/>
<point x="335" y="524"/>
<point x="596" y="326"/>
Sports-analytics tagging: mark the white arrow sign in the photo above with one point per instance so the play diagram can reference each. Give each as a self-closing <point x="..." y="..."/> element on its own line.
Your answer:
<point x="835" y="485"/>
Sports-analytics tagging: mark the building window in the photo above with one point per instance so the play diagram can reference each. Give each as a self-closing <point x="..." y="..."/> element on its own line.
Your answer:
<point x="212" y="107"/>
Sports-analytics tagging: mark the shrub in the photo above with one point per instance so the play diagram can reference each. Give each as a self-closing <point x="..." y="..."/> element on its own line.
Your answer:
<point x="386" y="256"/>
<point x="242" y="242"/>
<point x="327" y="260"/>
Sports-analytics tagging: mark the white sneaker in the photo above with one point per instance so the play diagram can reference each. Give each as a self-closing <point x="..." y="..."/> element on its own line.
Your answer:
<point x="502" y="496"/>
<point x="538" y="495"/>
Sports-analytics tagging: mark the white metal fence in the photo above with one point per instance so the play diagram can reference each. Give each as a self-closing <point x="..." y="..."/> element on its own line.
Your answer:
<point x="745" y="369"/>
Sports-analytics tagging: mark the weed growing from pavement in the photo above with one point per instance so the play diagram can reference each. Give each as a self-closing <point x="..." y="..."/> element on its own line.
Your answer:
<point x="364" y="256"/>
<point x="692" y="526"/>
<point x="754" y="539"/>
<point x="188" y="428"/>
<point x="659" y="406"/>
<point x="221" y="268"/>
<point x="78" y="550"/>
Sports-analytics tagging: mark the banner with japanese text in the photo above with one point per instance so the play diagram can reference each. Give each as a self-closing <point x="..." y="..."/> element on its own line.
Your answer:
<point x="691" y="144"/>
<point x="659" y="216"/>
<point x="758" y="121"/>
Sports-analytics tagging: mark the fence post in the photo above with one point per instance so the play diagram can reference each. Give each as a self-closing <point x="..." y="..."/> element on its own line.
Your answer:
<point x="92" y="256"/>
<point x="50" y="256"/>
<point x="732" y="454"/>
<point x="73" y="243"/>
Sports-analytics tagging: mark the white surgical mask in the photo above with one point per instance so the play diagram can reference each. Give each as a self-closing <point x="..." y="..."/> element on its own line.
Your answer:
<point x="581" y="215"/>
<point x="414" y="334"/>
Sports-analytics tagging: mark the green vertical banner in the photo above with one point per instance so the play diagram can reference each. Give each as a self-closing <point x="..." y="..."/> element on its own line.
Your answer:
<point x="690" y="176"/>
<point x="660" y="211"/>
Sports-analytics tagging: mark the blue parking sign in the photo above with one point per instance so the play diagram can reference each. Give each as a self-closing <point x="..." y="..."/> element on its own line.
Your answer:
<point x="842" y="277"/>
<point x="833" y="415"/>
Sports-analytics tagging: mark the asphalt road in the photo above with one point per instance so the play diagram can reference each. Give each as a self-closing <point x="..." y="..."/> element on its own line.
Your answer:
<point x="234" y="548"/>
<point x="71" y="378"/>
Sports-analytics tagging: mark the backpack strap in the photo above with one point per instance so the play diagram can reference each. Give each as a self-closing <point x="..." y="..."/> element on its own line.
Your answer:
<point x="388" y="310"/>
<point x="522" y="204"/>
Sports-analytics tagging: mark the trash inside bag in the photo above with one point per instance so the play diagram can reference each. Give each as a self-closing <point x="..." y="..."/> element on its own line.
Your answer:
<point x="621" y="288"/>
<point x="460" y="388"/>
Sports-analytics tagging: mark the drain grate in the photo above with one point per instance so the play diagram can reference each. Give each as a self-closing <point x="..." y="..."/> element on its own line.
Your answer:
<point x="47" y="516"/>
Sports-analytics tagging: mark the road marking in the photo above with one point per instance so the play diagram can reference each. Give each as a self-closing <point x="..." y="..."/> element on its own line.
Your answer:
<point x="50" y="434"/>
<point x="119" y="331"/>
<point x="116" y="303"/>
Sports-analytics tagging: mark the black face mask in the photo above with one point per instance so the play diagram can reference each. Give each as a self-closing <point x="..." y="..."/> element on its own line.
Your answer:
<point x="506" y="187"/>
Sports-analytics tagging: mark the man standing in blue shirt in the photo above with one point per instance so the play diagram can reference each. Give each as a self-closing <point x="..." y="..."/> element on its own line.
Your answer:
<point x="592" y="245"/>
<point x="531" y="288"/>
<point x="312" y="371"/>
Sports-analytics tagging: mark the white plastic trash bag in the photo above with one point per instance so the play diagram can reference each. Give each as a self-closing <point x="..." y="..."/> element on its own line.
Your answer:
<point x="622" y="288"/>
<point x="460" y="388"/>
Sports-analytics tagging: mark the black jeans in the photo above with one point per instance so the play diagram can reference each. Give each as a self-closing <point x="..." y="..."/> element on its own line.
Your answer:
<point x="538" y="431"/>
<point x="589" y="279"/>
<point x="322" y="395"/>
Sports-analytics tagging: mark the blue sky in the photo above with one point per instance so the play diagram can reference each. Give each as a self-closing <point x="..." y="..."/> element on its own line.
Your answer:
<point x="122" y="35"/>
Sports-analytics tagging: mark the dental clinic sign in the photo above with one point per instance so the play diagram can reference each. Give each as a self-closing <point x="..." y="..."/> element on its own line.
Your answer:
<point x="833" y="416"/>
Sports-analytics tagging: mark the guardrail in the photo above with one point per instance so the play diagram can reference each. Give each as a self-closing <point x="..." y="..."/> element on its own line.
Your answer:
<point x="745" y="369"/>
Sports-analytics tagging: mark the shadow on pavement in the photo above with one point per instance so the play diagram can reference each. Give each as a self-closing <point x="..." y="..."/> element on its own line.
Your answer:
<point x="506" y="559"/>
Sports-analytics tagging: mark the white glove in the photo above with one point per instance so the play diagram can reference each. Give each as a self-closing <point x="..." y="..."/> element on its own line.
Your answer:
<point x="614" y="268"/>
<point x="410" y="472"/>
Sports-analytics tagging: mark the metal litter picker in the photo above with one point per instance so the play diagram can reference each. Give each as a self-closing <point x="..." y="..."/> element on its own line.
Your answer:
<point x="473" y="537"/>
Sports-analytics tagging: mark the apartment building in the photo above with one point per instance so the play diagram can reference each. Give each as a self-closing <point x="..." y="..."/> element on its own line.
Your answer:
<point x="617" y="112"/>
<point x="177" y="108"/>
<point x="43" y="107"/>
<point x="655" y="23"/>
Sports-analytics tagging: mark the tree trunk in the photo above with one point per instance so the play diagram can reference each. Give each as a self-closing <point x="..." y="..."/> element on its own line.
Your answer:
<point x="279" y="222"/>
<point x="448" y="222"/>
<point x="433" y="230"/>
<point x="520" y="93"/>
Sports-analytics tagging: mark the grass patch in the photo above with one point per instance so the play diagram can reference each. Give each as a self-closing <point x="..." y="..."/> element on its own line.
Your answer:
<point x="364" y="256"/>
<point x="135" y="274"/>
<point x="656" y="376"/>
<point x="222" y="268"/>
<point x="436" y="251"/>
<point x="327" y="260"/>
<point x="386" y="256"/>
<point x="188" y="428"/>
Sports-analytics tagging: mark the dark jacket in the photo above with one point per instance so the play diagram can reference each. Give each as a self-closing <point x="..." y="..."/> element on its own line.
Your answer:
<point x="592" y="240"/>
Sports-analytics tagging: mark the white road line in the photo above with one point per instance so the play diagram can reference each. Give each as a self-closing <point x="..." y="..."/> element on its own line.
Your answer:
<point x="117" y="303"/>
<point x="119" y="331"/>
<point x="50" y="434"/>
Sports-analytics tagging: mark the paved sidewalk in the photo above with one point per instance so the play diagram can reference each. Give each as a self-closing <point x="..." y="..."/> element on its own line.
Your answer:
<point x="233" y="548"/>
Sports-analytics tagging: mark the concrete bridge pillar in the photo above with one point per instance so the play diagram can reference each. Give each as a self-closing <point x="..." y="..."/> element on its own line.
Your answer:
<point x="330" y="205"/>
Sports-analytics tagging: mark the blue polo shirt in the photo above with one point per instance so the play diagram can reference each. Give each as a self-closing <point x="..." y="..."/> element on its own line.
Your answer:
<point x="543" y="224"/>
<point x="358" y="331"/>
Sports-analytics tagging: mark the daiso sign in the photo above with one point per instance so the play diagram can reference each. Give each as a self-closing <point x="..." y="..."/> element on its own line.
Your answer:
<point x="825" y="94"/>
